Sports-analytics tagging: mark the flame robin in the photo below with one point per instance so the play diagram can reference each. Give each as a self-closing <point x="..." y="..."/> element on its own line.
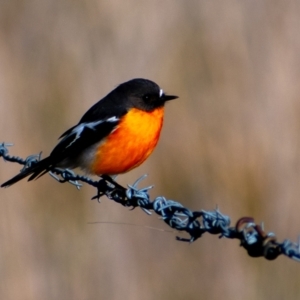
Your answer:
<point x="115" y="135"/>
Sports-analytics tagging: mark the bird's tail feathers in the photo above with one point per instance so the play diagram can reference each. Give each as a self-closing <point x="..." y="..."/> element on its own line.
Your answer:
<point x="37" y="170"/>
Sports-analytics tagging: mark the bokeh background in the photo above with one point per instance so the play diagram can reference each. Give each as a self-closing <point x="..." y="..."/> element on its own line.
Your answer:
<point x="232" y="139"/>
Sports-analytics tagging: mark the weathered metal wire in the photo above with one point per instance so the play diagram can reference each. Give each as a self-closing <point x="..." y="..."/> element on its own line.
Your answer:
<point x="252" y="237"/>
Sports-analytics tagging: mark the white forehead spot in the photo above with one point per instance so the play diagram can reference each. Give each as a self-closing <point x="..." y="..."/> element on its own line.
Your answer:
<point x="161" y="92"/>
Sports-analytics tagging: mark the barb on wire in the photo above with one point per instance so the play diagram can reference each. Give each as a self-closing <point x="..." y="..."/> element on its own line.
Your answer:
<point x="252" y="236"/>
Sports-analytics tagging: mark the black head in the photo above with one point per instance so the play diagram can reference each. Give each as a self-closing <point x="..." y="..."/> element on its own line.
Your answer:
<point x="142" y="94"/>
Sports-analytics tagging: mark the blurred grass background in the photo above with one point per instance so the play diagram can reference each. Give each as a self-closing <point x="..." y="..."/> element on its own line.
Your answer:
<point x="231" y="139"/>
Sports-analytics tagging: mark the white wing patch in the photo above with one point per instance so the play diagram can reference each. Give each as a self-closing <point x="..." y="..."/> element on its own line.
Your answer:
<point x="79" y="129"/>
<point x="113" y="119"/>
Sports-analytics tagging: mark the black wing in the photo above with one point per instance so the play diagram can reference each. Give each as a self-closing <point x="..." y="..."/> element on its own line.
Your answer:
<point x="80" y="137"/>
<point x="96" y="124"/>
<point x="110" y="106"/>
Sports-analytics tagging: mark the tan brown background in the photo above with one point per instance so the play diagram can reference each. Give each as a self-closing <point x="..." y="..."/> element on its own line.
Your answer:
<point x="232" y="139"/>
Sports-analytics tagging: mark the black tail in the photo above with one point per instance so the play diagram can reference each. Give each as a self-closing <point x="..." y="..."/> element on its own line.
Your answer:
<point x="34" y="171"/>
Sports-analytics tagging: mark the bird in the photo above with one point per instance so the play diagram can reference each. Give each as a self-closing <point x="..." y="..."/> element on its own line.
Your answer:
<point x="116" y="135"/>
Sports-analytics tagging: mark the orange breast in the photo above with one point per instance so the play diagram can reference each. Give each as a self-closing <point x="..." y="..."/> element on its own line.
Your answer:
<point x="130" y="144"/>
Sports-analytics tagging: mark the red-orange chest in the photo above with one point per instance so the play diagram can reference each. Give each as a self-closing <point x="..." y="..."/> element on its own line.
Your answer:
<point x="130" y="143"/>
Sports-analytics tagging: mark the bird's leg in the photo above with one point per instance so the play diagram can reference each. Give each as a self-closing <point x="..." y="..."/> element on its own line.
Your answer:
<point x="109" y="187"/>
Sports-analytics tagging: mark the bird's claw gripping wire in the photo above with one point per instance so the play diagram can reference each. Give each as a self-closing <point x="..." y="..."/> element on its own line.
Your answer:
<point x="107" y="186"/>
<point x="130" y="197"/>
<point x="101" y="186"/>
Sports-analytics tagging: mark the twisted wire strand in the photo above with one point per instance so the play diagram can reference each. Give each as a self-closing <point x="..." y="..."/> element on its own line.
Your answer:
<point x="252" y="236"/>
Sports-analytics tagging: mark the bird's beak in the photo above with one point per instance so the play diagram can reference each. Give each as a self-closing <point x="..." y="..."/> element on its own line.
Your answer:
<point x="169" y="97"/>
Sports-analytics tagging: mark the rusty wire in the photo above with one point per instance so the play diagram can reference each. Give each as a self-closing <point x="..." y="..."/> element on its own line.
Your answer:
<point x="253" y="238"/>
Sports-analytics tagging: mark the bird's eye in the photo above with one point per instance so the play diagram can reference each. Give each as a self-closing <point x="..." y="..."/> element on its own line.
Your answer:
<point x="146" y="97"/>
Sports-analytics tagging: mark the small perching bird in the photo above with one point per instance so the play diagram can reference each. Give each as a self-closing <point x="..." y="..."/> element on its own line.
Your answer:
<point x="115" y="135"/>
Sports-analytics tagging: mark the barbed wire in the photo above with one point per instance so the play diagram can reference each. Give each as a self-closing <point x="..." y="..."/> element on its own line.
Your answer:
<point x="252" y="236"/>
